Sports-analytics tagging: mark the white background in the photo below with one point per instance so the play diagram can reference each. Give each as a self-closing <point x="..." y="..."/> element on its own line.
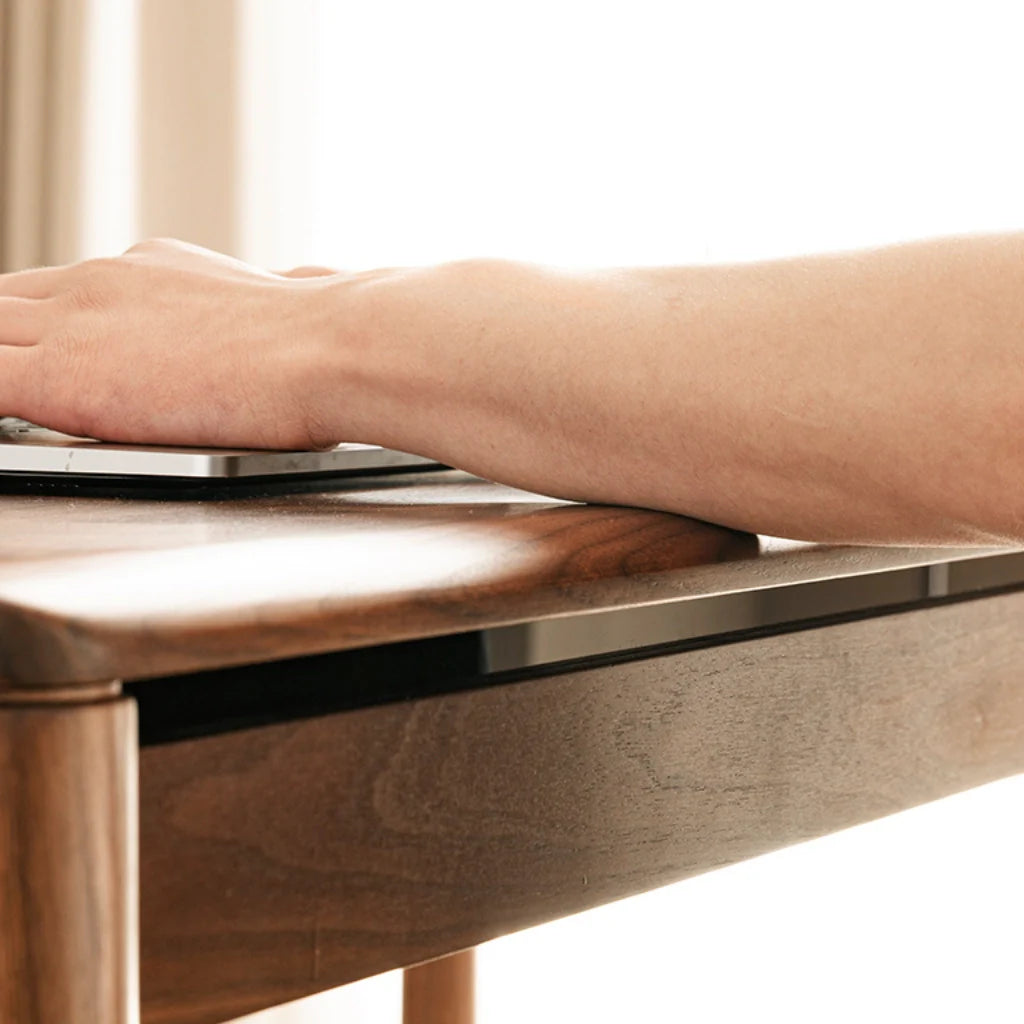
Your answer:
<point x="657" y="131"/>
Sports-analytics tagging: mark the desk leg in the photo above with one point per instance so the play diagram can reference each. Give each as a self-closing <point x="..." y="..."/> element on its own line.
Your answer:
<point x="68" y="862"/>
<point x="440" y="992"/>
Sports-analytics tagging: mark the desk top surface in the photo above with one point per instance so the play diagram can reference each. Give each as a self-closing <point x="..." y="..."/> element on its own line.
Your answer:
<point x="104" y="588"/>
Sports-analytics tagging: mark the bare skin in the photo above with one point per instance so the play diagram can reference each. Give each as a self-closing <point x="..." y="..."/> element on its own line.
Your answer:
<point x="870" y="397"/>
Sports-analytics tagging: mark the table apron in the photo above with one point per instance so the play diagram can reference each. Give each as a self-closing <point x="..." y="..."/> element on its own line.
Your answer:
<point x="287" y="859"/>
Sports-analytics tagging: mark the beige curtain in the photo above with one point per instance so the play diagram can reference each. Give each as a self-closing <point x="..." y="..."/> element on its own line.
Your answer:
<point x="189" y="101"/>
<point x="185" y="181"/>
<point x="41" y="92"/>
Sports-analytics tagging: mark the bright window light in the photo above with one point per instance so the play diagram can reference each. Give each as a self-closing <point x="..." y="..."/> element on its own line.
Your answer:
<point x="584" y="132"/>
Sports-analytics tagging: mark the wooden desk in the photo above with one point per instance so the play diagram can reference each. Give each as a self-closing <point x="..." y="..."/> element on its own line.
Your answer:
<point x="386" y="723"/>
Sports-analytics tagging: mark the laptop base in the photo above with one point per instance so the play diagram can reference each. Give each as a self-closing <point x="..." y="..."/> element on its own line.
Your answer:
<point x="92" y="485"/>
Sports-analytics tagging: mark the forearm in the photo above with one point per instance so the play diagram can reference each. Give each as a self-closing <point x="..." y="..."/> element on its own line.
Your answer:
<point x="871" y="397"/>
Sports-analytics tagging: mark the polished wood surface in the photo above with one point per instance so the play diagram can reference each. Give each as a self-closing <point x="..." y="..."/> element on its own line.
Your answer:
<point x="440" y="992"/>
<point x="283" y="859"/>
<point x="68" y="864"/>
<point x="94" y="589"/>
<point x="291" y="858"/>
<point x="106" y="588"/>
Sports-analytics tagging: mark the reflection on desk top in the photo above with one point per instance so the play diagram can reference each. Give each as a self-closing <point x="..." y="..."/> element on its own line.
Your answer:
<point x="94" y="589"/>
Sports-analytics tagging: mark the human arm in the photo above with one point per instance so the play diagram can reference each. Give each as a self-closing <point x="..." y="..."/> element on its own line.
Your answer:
<point x="871" y="397"/>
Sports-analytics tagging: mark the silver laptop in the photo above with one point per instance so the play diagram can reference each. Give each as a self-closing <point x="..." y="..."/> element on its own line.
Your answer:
<point x="28" y="449"/>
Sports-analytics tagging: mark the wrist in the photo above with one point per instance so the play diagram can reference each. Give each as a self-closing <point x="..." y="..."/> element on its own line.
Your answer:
<point x="312" y="329"/>
<point x="398" y="350"/>
<point x="474" y="363"/>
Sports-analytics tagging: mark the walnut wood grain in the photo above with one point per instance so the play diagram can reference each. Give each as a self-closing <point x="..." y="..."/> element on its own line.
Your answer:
<point x="285" y="860"/>
<point x="442" y="991"/>
<point x="68" y="865"/>
<point x="94" y="589"/>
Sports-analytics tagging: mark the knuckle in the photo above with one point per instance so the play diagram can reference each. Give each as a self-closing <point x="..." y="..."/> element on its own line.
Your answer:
<point x="154" y="245"/>
<point x="64" y="347"/>
<point x="94" y="283"/>
<point x="309" y="271"/>
<point x="100" y="266"/>
<point x="86" y="297"/>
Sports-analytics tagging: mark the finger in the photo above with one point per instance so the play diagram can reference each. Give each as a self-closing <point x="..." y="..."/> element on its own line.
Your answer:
<point x="21" y="321"/>
<point x="307" y="272"/>
<point x="41" y="283"/>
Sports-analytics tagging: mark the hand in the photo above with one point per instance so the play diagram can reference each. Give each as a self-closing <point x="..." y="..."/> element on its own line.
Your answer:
<point x="169" y="343"/>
